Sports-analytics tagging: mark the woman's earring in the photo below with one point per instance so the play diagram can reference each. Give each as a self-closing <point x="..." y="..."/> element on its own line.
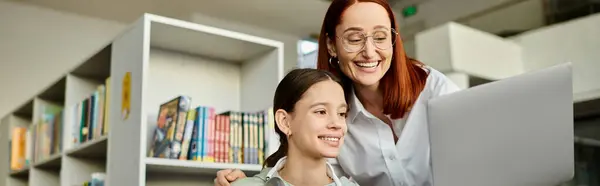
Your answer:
<point x="331" y="59"/>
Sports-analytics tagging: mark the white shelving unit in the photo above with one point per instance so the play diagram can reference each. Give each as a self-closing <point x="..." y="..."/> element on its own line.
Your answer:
<point x="164" y="58"/>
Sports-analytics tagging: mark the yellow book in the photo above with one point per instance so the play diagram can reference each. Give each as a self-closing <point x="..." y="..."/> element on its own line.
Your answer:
<point x="261" y="138"/>
<point x="17" y="160"/>
<point x="189" y="127"/>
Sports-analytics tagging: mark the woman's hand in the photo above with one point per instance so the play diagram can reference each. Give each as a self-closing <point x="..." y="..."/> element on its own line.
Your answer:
<point x="224" y="177"/>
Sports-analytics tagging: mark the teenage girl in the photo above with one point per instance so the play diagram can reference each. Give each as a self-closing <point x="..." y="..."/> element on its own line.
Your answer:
<point x="310" y="119"/>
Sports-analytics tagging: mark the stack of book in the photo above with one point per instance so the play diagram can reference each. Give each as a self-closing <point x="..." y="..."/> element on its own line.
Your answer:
<point x="91" y="115"/>
<point x="201" y="134"/>
<point x="39" y="141"/>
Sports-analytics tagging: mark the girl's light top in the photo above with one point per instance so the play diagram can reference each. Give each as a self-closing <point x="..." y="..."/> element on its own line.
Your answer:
<point x="270" y="177"/>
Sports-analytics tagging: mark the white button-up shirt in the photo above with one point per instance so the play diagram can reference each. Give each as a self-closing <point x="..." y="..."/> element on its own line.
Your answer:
<point x="369" y="155"/>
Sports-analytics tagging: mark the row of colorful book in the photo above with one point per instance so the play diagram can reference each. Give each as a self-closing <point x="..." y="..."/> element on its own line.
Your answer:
<point x="38" y="141"/>
<point x="44" y="137"/>
<point x="201" y="134"/>
<point x="91" y="115"/>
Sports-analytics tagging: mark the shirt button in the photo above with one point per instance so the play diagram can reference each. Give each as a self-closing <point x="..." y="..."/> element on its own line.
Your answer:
<point x="392" y="157"/>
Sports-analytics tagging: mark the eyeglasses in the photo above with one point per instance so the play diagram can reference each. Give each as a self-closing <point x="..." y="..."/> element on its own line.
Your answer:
<point x="354" y="41"/>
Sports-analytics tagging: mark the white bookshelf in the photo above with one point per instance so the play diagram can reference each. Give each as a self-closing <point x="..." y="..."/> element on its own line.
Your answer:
<point x="166" y="58"/>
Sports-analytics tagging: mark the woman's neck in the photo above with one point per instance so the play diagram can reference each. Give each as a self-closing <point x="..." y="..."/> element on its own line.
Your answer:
<point x="370" y="97"/>
<point x="300" y="170"/>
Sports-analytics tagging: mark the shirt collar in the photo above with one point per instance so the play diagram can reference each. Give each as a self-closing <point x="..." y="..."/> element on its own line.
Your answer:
<point x="273" y="172"/>
<point x="356" y="107"/>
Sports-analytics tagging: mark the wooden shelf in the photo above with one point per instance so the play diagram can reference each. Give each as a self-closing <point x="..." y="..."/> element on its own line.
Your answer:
<point x="182" y="36"/>
<point x="96" y="148"/>
<point x="158" y="165"/>
<point x="23" y="173"/>
<point x="52" y="162"/>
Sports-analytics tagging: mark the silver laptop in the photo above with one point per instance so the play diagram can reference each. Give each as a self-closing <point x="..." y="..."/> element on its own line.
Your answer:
<point x="513" y="132"/>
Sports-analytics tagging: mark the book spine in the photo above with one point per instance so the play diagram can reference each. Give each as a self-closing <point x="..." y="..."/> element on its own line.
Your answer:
<point x="205" y="133"/>
<point x="246" y="135"/>
<point x="196" y="142"/>
<point x="232" y="139"/>
<point x="226" y="135"/>
<point x="106" y="106"/>
<point x="181" y="120"/>
<point x="189" y="127"/>
<point x="210" y="156"/>
<point x="240" y="137"/>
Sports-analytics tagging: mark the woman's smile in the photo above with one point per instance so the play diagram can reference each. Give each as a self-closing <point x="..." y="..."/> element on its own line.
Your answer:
<point x="369" y="66"/>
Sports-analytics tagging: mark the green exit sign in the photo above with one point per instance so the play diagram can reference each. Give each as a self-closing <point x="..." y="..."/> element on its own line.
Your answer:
<point x="409" y="11"/>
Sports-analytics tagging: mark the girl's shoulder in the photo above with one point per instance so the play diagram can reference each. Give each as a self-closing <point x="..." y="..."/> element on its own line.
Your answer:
<point x="256" y="180"/>
<point x="248" y="181"/>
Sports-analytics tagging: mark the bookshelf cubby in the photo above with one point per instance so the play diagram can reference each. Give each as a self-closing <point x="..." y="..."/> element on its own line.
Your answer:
<point x="153" y="61"/>
<point x="22" y="117"/>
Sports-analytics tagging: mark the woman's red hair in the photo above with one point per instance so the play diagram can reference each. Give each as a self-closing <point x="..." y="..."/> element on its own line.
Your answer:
<point x="401" y="84"/>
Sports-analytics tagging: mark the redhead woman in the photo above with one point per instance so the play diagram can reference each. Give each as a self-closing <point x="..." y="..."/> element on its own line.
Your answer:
<point x="387" y="143"/>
